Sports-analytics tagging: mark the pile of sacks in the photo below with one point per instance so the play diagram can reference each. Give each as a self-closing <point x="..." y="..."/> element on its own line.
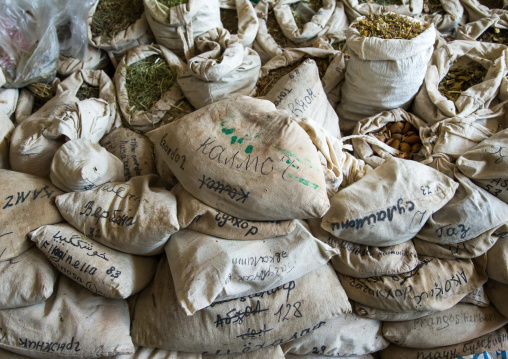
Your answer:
<point x="249" y="227"/>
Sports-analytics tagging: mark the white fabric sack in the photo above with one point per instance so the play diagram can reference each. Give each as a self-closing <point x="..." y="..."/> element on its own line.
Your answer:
<point x="345" y="335"/>
<point x="80" y="165"/>
<point x="317" y="356"/>
<point x="222" y="68"/>
<point x="435" y="284"/>
<point x="497" y="261"/>
<point x="26" y="279"/>
<point x="208" y="269"/>
<point x="30" y="150"/>
<point x="494" y="341"/>
<point x="389" y="205"/>
<point x="430" y="105"/>
<point x="156" y="353"/>
<point x="222" y="327"/>
<point x="248" y="23"/>
<point x="28" y="203"/>
<point x="72" y="323"/>
<point x="471" y="212"/>
<point x="137" y="118"/>
<point x="300" y="92"/>
<point x="355" y="9"/>
<point x="448" y="20"/>
<point x="388" y="315"/>
<point x="476" y="10"/>
<point x="382" y="74"/>
<point x="477" y="297"/>
<point x="6" y="129"/>
<point x="461" y="323"/>
<point x="362" y="261"/>
<point x="373" y="154"/>
<point x="474" y="29"/>
<point x="8" y="101"/>
<point x="133" y="149"/>
<point x="103" y="270"/>
<point x="177" y="27"/>
<point x="135" y="217"/>
<point x="245" y="158"/>
<point x="497" y="293"/>
<point x="197" y="216"/>
<point x="487" y="166"/>
<point x="96" y="60"/>
<point x="107" y="91"/>
<point x="24" y="106"/>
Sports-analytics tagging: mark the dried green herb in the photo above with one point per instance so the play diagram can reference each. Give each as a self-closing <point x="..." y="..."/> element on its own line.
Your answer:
<point x="42" y="91"/>
<point x="171" y="3"/>
<point x="146" y="81"/>
<point x="495" y="35"/>
<point x="460" y="78"/>
<point x="432" y="7"/>
<point x="87" y="91"/>
<point x="177" y="111"/>
<point x="229" y="19"/>
<point x="381" y="2"/>
<point x="389" y="26"/>
<point x="301" y="20"/>
<point x="493" y="4"/>
<point x="113" y="16"/>
<point x="265" y="83"/>
<point x="275" y="31"/>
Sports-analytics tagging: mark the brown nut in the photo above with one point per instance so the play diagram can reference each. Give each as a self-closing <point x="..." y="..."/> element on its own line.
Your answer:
<point x="402" y="155"/>
<point x="397" y="136"/>
<point x="406" y="128"/>
<point x="405" y="147"/>
<point x="395" y="144"/>
<point x="416" y="147"/>
<point x="409" y="133"/>
<point x="396" y="127"/>
<point x="413" y="139"/>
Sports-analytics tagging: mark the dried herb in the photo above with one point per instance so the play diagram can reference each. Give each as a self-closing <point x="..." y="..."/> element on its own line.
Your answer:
<point x="460" y="78"/>
<point x="389" y="26"/>
<point x="493" y="4"/>
<point x="265" y="83"/>
<point x="113" y="16"/>
<point x="275" y="31"/>
<point x="229" y="20"/>
<point x="381" y="2"/>
<point x="177" y="111"/>
<point x="301" y="14"/>
<point x="432" y="7"/>
<point x="402" y="136"/>
<point x="146" y="81"/>
<point x="171" y="3"/>
<point x="495" y="35"/>
<point x="87" y="91"/>
<point x="42" y="91"/>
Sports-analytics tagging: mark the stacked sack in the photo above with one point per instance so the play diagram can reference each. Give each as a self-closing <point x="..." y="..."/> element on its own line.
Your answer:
<point x="251" y="180"/>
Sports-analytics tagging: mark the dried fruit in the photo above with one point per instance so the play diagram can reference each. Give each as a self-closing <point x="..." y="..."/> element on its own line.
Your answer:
<point x="406" y="140"/>
<point x="389" y="26"/>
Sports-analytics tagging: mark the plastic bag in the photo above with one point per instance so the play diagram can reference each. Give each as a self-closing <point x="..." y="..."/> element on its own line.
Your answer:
<point x="28" y="42"/>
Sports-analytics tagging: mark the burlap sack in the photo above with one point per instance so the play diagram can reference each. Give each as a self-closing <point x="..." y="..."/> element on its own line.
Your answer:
<point x="72" y="323"/>
<point x="8" y="101"/>
<point x="30" y="151"/>
<point x="177" y="27"/>
<point x="355" y="8"/>
<point x="476" y="10"/>
<point x="373" y="154"/>
<point x="107" y="91"/>
<point x="197" y="216"/>
<point x="135" y="217"/>
<point x="497" y="293"/>
<point x="155" y="353"/>
<point x="243" y="158"/>
<point x="136" y="34"/>
<point x="133" y="149"/>
<point x="345" y="335"/>
<point x="248" y="23"/>
<point x="497" y="261"/>
<point x="28" y="202"/>
<point x="26" y="280"/>
<point x="221" y="68"/>
<point x="96" y="60"/>
<point x="300" y="92"/>
<point x="137" y="118"/>
<point x="208" y="269"/>
<point x="496" y="340"/>
<point x="470" y="213"/>
<point x="388" y="315"/>
<point x="486" y="165"/>
<point x="473" y="30"/>
<point x="362" y="261"/>
<point x="6" y="129"/>
<point x="430" y="105"/>
<point x="461" y="323"/>
<point x="471" y="248"/>
<point x="80" y="165"/>
<point x="246" y="324"/>
<point x="447" y="21"/>
<point x="103" y="270"/>
<point x="435" y="284"/>
<point x="357" y="213"/>
<point x="382" y="74"/>
<point x="477" y="297"/>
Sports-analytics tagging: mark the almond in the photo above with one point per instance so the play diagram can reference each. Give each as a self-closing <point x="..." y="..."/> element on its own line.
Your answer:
<point x="413" y="139"/>
<point x="395" y="144"/>
<point x="396" y="127"/>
